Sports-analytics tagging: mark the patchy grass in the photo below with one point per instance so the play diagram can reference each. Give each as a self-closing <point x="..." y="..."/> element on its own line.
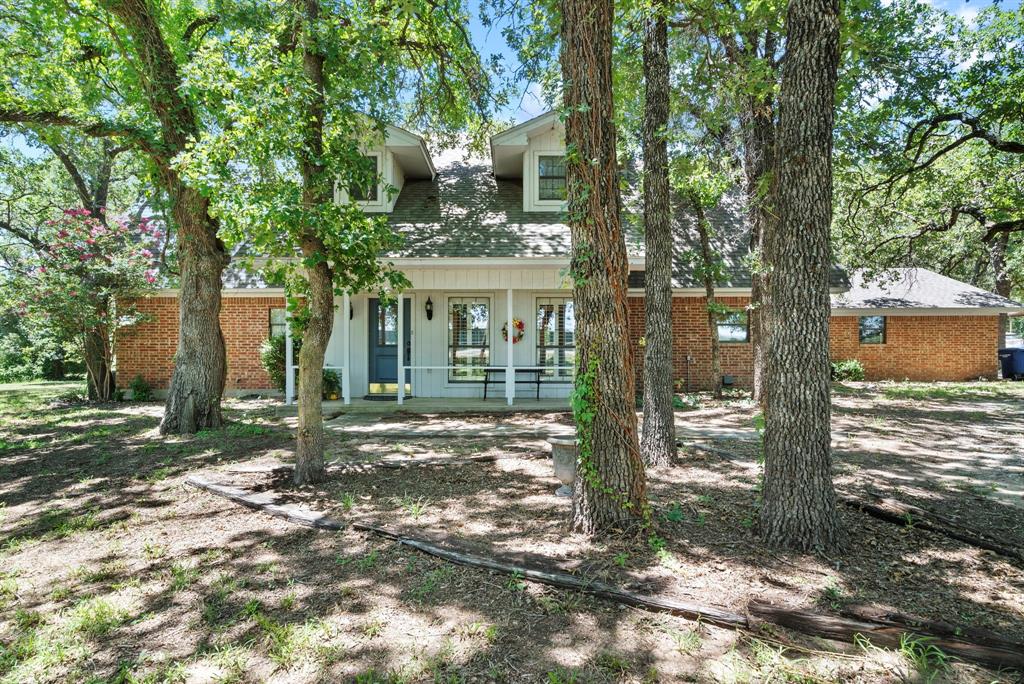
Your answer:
<point x="948" y="391"/>
<point x="113" y="572"/>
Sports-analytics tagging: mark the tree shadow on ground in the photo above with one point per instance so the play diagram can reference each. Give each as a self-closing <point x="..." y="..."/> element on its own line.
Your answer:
<point x="199" y="583"/>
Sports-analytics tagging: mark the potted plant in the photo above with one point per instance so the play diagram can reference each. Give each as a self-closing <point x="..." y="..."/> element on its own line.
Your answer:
<point x="332" y="385"/>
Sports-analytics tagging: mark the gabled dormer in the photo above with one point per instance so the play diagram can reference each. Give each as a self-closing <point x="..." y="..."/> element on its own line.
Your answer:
<point x="534" y="151"/>
<point x="394" y="157"/>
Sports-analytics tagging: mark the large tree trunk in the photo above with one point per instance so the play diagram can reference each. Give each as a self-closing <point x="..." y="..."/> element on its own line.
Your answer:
<point x="659" y="430"/>
<point x="309" y="455"/>
<point x="708" y="257"/>
<point x="1003" y="281"/>
<point x="200" y="362"/>
<point x="200" y="365"/>
<point x="99" y="376"/>
<point x="799" y="508"/>
<point x="758" y="123"/>
<point x="610" y="485"/>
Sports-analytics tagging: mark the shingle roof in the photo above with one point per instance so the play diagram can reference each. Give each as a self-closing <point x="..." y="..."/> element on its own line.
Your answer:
<point x="466" y="212"/>
<point x="916" y="288"/>
<point x="730" y="239"/>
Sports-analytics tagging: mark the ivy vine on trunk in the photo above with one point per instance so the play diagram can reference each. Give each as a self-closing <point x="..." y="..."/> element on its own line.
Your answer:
<point x="611" y="488"/>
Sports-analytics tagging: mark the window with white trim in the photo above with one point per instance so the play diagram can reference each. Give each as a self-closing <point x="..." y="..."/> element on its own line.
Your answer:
<point x="871" y="329"/>
<point x="556" y="337"/>
<point x="469" y="338"/>
<point x="367" y="189"/>
<point x="551" y="177"/>
<point x="734" y="327"/>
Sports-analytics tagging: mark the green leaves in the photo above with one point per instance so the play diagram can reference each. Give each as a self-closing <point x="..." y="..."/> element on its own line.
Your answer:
<point x="920" y="177"/>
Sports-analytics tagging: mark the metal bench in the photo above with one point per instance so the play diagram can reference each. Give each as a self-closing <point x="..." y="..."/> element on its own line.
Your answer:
<point x="490" y="370"/>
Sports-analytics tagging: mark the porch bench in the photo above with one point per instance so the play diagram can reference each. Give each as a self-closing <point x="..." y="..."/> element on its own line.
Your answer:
<point x="491" y="370"/>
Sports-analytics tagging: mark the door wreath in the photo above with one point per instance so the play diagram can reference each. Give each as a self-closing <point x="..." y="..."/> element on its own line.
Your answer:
<point x="518" y="326"/>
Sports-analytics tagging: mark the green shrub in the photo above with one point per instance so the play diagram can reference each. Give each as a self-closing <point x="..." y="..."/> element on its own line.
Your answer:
<point x="272" y="360"/>
<point x="332" y="385"/>
<point x="850" y="369"/>
<point x="272" y="357"/>
<point x="141" y="390"/>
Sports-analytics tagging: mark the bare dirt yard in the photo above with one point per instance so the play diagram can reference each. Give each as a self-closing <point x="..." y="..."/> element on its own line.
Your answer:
<point x="113" y="570"/>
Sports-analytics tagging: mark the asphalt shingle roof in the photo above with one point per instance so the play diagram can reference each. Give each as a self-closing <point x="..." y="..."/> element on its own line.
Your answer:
<point x="916" y="288"/>
<point x="466" y="212"/>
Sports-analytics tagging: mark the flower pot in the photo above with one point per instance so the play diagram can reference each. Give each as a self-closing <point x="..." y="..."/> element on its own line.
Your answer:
<point x="563" y="459"/>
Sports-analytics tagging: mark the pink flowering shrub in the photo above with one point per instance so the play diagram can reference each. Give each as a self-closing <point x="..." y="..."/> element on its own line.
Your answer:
<point x="81" y="279"/>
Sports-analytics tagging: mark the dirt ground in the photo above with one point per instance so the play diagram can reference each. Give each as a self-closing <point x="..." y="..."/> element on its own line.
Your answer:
<point x="112" y="570"/>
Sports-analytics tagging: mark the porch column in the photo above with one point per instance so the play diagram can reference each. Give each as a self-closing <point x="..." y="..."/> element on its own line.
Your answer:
<point x="401" y="349"/>
<point x="346" y="349"/>
<point x="510" y="373"/>
<point x="289" y="360"/>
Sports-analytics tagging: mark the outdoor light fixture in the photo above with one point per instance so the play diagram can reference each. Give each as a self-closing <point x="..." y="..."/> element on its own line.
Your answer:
<point x="429" y="307"/>
<point x="351" y="312"/>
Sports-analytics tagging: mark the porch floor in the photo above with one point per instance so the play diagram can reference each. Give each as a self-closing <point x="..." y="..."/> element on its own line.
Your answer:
<point x="362" y="406"/>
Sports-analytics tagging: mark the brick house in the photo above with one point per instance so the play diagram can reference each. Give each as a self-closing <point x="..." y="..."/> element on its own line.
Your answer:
<point x="485" y="243"/>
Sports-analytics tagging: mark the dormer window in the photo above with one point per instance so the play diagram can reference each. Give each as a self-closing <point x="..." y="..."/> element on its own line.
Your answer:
<point x="368" y="192"/>
<point x="550" y="177"/>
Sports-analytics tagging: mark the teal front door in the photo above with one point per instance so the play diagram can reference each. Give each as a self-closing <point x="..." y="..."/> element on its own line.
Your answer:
<point x="384" y="346"/>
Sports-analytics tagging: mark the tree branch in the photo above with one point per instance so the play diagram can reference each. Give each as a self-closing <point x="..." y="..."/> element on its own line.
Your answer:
<point x="93" y="129"/>
<point x="197" y="24"/>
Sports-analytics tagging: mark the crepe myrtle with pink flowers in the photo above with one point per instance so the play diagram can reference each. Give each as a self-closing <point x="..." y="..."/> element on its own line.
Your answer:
<point x="79" y="281"/>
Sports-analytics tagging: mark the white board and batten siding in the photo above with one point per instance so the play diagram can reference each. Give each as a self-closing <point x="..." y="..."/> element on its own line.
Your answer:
<point x="430" y="338"/>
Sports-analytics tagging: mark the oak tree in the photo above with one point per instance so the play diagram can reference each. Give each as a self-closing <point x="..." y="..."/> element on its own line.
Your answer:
<point x="799" y="507"/>
<point x="611" y="486"/>
<point x="659" y="431"/>
<point x="112" y="69"/>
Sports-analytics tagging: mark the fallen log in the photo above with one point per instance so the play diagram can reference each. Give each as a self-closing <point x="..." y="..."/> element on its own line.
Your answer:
<point x="388" y="464"/>
<point x="887" y="616"/>
<point x="564" y="580"/>
<point x="885" y="629"/>
<point x="901" y="513"/>
<point x="889" y="634"/>
<point x="266" y="502"/>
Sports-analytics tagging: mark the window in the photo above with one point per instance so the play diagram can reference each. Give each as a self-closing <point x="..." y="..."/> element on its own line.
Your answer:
<point x="872" y="329"/>
<point x="278" y="322"/>
<point x="556" y="337"/>
<point x="469" y="344"/>
<point x="551" y="177"/>
<point x="366" y="192"/>
<point x="387" y="325"/>
<point x="733" y="327"/>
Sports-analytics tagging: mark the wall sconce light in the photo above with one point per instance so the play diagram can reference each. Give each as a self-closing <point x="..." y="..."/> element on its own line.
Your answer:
<point x="351" y="312"/>
<point x="429" y="308"/>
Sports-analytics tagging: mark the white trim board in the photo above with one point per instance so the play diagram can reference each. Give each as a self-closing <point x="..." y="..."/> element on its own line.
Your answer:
<point x="925" y="311"/>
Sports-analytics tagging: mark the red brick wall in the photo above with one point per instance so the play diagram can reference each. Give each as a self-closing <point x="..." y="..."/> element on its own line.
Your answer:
<point x="917" y="347"/>
<point x="148" y="349"/>
<point x="692" y="338"/>
<point x="921" y="347"/>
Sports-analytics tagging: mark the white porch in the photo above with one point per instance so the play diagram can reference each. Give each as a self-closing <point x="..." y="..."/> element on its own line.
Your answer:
<point x="505" y="290"/>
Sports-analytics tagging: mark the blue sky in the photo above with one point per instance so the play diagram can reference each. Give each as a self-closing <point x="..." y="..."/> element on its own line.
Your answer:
<point x="527" y="103"/>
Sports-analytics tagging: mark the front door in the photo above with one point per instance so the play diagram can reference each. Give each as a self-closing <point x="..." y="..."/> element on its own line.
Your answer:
<point x="384" y="345"/>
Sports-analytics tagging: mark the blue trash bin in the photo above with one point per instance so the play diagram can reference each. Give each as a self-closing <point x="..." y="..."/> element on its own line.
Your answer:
<point x="1011" y="360"/>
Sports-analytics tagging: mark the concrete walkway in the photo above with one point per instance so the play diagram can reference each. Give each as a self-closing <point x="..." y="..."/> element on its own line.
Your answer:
<point x="428" y="405"/>
<point x="362" y="425"/>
